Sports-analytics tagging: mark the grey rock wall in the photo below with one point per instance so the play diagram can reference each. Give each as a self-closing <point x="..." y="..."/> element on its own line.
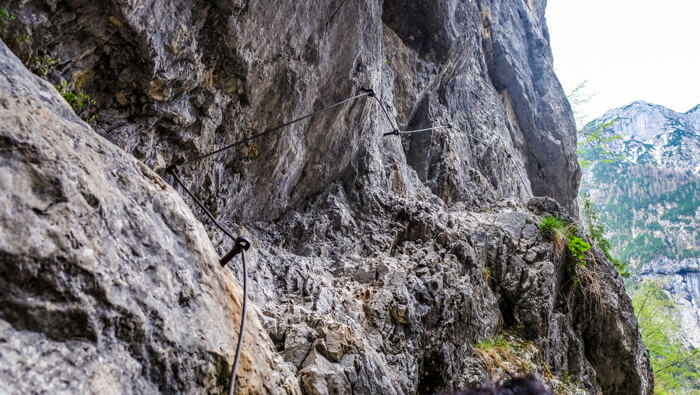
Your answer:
<point x="174" y="79"/>
<point x="379" y="262"/>
<point x="108" y="283"/>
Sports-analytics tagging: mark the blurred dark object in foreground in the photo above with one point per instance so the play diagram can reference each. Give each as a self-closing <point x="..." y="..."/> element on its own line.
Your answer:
<point x="528" y="385"/>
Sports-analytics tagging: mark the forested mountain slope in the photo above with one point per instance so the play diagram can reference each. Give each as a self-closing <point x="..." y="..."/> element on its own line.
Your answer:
<point x="650" y="198"/>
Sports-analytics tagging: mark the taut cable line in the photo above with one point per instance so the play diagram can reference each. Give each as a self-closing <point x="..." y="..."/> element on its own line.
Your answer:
<point x="173" y="170"/>
<point x="365" y="92"/>
<point x="242" y="244"/>
<point x="397" y="132"/>
<point x="508" y="155"/>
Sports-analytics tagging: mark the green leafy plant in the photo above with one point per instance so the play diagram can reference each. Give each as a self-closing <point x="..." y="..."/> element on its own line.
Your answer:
<point x="6" y="17"/>
<point x="576" y="248"/>
<point x="43" y="65"/>
<point x="553" y="228"/>
<point x="79" y="101"/>
<point x="676" y="365"/>
<point x="593" y="141"/>
<point x="594" y="144"/>
<point x="596" y="229"/>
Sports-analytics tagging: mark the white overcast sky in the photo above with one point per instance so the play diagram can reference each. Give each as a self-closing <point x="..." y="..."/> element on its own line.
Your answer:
<point x="628" y="50"/>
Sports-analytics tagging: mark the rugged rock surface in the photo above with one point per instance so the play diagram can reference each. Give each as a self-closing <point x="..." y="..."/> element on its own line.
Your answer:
<point x="109" y="283"/>
<point x="379" y="261"/>
<point x="168" y="86"/>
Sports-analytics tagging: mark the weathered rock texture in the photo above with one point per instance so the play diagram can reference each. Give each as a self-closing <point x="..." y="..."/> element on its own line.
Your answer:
<point x="109" y="283"/>
<point x="379" y="261"/>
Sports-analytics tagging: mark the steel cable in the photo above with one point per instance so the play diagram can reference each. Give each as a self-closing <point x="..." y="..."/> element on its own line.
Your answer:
<point x="386" y="113"/>
<point x="232" y="381"/>
<point x="508" y="155"/>
<point x="265" y="132"/>
<point x="241" y="244"/>
<point x="401" y="132"/>
<point x="173" y="171"/>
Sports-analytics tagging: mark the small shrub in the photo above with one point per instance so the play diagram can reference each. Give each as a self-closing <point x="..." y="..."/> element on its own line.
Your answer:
<point x="554" y="229"/>
<point x="576" y="248"/>
<point x="6" y="17"/>
<point x="43" y="65"/>
<point x="81" y="103"/>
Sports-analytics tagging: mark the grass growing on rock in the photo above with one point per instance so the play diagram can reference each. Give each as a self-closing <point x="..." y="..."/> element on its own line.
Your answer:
<point x="557" y="231"/>
<point x="552" y="228"/>
<point x="507" y="355"/>
<point x="569" y="241"/>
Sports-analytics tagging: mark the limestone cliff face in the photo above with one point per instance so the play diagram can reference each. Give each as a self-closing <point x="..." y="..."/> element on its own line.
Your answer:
<point x="379" y="262"/>
<point x="109" y="283"/>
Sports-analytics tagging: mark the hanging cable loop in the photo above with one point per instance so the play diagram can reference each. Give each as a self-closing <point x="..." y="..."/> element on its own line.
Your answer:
<point x="242" y="244"/>
<point x="239" y="345"/>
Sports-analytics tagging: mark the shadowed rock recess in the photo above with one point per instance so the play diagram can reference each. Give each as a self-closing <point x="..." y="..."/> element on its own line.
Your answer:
<point x="379" y="264"/>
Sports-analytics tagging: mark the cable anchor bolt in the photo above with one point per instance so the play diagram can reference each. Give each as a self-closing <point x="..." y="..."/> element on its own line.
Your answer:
<point x="241" y="244"/>
<point x="173" y="166"/>
<point x="368" y="90"/>
<point x="393" y="132"/>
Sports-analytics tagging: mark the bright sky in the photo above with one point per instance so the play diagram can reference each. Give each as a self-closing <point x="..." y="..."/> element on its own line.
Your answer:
<point x="628" y="50"/>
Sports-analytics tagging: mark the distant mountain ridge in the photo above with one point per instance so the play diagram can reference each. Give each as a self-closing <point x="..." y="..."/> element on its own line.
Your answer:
<point x="654" y="134"/>
<point x="650" y="198"/>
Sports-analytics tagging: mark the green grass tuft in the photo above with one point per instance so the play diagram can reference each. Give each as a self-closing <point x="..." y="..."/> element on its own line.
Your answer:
<point x="551" y="226"/>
